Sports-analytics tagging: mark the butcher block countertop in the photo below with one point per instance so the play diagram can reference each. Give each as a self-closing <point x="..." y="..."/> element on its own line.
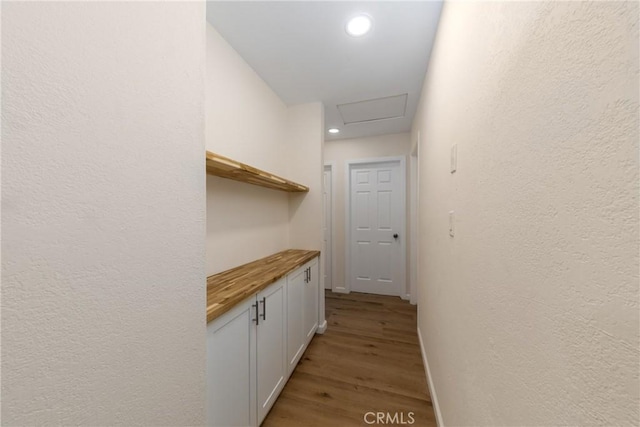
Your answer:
<point x="226" y="289"/>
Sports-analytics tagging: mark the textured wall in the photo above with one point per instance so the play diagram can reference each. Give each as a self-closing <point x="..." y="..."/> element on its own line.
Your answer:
<point x="529" y="314"/>
<point x="305" y="145"/>
<point x="103" y="213"/>
<point x="305" y="138"/>
<point x="339" y="152"/>
<point x="246" y="121"/>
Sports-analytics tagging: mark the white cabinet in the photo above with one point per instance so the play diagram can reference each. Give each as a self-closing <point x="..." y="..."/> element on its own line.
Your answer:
<point x="271" y="346"/>
<point x="295" y="317"/>
<point x="311" y="299"/>
<point x="246" y="365"/>
<point x="231" y="361"/>
<point x="253" y="348"/>
<point x="302" y="310"/>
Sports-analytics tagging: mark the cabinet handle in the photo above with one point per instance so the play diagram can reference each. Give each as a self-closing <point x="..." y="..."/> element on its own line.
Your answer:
<point x="264" y="308"/>
<point x="257" y="319"/>
<point x="309" y="274"/>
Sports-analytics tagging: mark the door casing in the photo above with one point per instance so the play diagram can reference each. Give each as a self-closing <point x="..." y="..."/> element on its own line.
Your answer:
<point x="331" y="166"/>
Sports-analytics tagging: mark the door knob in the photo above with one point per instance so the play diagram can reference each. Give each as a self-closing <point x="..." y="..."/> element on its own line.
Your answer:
<point x="395" y="236"/>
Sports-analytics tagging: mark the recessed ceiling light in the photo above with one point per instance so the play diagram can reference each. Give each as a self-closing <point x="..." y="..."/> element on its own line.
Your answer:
<point x="334" y="130"/>
<point x="359" y="25"/>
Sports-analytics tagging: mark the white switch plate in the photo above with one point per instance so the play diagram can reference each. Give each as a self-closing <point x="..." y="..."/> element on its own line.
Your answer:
<point x="451" y="223"/>
<point x="454" y="158"/>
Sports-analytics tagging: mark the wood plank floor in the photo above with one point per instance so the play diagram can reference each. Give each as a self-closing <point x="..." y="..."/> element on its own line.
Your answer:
<point x="368" y="361"/>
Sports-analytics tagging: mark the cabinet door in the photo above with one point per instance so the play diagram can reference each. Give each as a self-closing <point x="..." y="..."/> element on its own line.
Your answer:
<point x="271" y="346"/>
<point x="311" y="300"/>
<point x="295" y="317"/>
<point x="231" y="358"/>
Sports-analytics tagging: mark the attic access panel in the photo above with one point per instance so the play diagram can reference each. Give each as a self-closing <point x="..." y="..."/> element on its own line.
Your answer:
<point x="390" y="107"/>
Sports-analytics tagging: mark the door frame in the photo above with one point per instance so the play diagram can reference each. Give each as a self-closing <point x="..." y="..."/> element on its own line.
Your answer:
<point x="402" y="160"/>
<point x="414" y="220"/>
<point x="332" y="166"/>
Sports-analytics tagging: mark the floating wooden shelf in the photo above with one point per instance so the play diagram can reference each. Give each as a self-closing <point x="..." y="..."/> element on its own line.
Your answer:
<point x="226" y="289"/>
<point x="226" y="168"/>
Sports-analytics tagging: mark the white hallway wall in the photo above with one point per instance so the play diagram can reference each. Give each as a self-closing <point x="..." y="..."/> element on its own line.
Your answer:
<point x="529" y="315"/>
<point x="305" y="136"/>
<point x="103" y="276"/>
<point x="246" y="121"/>
<point x="339" y="152"/>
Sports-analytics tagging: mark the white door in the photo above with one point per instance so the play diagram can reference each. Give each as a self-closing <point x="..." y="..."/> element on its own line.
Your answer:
<point x="271" y="346"/>
<point x="328" y="219"/>
<point x="376" y="227"/>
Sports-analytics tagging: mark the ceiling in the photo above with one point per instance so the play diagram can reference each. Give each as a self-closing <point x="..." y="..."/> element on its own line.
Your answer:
<point x="302" y="51"/>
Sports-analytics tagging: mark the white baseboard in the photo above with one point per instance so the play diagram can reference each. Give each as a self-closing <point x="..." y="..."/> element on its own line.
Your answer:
<point x="405" y="297"/>
<point x="322" y="328"/>
<point x="432" y="389"/>
<point x="340" y="290"/>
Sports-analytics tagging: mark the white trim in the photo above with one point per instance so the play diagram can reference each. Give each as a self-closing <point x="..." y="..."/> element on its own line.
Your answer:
<point x="334" y="275"/>
<point x="414" y="220"/>
<point x="403" y="228"/>
<point x="432" y="389"/>
<point x="322" y="328"/>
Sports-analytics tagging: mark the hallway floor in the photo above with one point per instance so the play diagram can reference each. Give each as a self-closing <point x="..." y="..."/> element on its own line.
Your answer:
<point x="368" y="361"/>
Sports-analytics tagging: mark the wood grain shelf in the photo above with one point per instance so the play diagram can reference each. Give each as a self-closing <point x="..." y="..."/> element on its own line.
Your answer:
<point x="231" y="169"/>
<point x="226" y="289"/>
